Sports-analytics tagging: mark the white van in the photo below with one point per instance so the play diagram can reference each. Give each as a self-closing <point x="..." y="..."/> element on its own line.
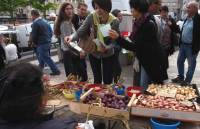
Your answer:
<point x="23" y="34"/>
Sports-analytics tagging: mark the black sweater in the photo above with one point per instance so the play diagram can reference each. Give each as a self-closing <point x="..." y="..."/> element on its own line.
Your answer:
<point x="148" y="51"/>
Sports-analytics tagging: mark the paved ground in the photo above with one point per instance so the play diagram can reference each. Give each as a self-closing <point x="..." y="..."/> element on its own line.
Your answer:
<point x="127" y="71"/>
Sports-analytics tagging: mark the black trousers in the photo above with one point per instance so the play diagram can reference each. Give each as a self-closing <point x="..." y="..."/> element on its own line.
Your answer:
<point x="102" y="69"/>
<point x="116" y="67"/>
<point x="74" y="65"/>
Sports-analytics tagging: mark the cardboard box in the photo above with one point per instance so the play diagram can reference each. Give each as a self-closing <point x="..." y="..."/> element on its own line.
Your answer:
<point x="166" y="114"/>
<point x="105" y="111"/>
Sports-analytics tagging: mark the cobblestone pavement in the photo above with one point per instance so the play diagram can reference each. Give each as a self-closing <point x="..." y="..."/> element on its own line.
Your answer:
<point x="127" y="71"/>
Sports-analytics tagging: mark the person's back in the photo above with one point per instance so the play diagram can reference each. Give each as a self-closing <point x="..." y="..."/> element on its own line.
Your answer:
<point x="42" y="32"/>
<point x="41" y="36"/>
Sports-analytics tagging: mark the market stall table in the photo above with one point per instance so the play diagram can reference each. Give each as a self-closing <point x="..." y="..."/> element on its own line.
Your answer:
<point x="192" y="119"/>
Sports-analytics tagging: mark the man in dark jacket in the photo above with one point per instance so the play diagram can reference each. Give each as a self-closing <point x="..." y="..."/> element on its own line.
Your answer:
<point x="189" y="44"/>
<point x="2" y="53"/>
<point x="41" y="36"/>
<point x="79" y="61"/>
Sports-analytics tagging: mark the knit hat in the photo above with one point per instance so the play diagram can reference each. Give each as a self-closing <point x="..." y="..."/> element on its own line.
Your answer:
<point x="103" y="4"/>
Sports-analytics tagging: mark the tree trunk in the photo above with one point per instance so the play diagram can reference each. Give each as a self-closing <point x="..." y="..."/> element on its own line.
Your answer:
<point x="12" y="17"/>
<point x="44" y="14"/>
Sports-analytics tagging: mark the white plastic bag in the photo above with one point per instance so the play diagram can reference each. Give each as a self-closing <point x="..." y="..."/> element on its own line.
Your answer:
<point x="86" y="125"/>
<point x="136" y="65"/>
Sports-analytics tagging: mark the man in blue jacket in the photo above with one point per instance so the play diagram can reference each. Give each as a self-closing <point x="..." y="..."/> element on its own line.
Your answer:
<point x="189" y="44"/>
<point x="41" y="36"/>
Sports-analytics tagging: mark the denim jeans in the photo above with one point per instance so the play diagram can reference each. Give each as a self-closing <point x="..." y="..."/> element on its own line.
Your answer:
<point x="144" y="80"/>
<point x="185" y="52"/>
<point x="44" y="57"/>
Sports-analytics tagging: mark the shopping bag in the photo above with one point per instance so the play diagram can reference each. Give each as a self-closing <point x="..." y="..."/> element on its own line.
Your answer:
<point x="86" y="125"/>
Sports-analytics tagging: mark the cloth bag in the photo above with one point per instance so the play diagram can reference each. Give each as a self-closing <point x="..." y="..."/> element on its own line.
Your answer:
<point x="88" y="43"/>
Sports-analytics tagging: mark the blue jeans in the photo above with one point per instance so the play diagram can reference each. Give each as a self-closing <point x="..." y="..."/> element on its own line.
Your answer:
<point x="185" y="52"/>
<point x="144" y="80"/>
<point x="44" y="57"/>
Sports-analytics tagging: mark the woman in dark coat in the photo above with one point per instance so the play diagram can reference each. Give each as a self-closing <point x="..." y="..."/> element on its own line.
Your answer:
<point x="2" y="53"/>
<point x="145" y="44"/>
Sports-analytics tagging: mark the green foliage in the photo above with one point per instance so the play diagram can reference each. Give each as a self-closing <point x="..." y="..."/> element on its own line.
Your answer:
<point x="11" y="5"/>
<point x="42" y="6"/>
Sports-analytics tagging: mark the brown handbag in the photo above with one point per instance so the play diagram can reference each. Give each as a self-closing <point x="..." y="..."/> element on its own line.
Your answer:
<point x="87" y="43"/>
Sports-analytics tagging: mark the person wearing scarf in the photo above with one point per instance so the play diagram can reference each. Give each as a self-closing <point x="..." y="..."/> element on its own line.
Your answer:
<point x="103" y="59"/>
<point x="145" y="44"/>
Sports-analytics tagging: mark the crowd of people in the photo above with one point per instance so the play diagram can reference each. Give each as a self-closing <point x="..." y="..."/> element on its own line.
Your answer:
<point x="153" y="39"/>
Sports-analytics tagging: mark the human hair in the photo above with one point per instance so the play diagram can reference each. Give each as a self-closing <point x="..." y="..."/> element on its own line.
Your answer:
<point x="139" y="5"/>
<point x="115" y="12"/>
<point x="153" y="2"/>
<point x="81" y="4"/>
<point x="35" y="13"/>
<point x="194" y="4"/>
<point x="21" y="92"/>
<point x="164" y="8"/>
<point x="103" y="4"/>
<point x="61" y="17"/>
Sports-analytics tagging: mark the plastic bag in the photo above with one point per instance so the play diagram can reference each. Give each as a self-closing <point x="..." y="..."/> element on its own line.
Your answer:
<point x="136" y="65"/>
<point x="86" y="125"/>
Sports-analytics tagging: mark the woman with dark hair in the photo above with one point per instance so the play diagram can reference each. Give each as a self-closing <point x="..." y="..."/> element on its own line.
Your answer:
<point x="145" y="44"/>
<point x="22" y="100"/>
<point x="64" y="27"/>
<point x="102" y="61"/>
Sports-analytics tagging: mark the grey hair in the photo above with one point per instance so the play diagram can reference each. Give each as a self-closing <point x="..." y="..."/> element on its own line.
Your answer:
<point x="194" y="4"/>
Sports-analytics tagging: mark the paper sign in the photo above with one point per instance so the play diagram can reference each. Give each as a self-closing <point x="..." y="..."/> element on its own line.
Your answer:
<point x="105" y="28"/>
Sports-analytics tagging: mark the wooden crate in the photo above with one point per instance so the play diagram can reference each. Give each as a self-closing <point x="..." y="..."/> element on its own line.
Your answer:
<point x="166" y="114"/>
<point x="105" y="111"/>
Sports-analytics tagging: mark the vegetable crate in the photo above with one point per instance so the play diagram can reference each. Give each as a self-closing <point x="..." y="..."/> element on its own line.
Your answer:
<point x="98" y="110"/>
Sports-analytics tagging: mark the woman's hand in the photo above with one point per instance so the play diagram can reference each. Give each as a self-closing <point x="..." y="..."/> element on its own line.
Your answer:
<point x="113" y="34"/>
<point x="68" y="39"/>
<point x="82" y="55"/>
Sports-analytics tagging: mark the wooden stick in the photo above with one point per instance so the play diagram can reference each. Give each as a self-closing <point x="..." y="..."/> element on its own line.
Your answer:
<point x="132" y="99"/>
<point x="86" y="94"/>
